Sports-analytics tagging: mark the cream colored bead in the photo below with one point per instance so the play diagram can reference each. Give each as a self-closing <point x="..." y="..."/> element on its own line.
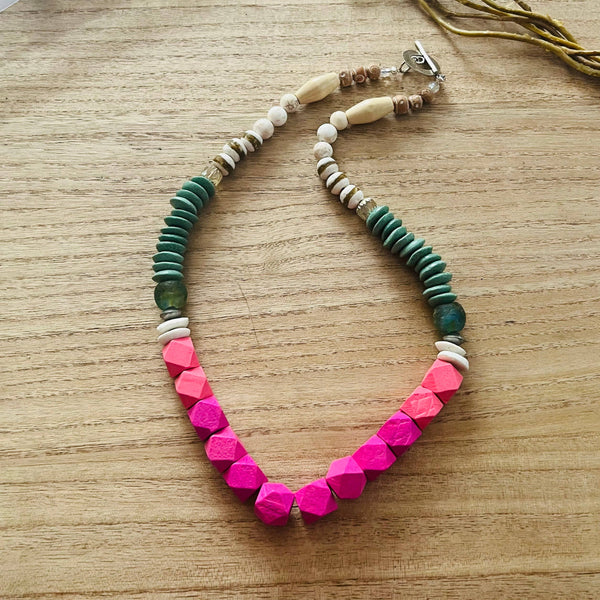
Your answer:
<point x="450" y="347"/>
<point x="229" y="150"/>
<point x="277" y="116"/>
<point x="370" y="110"/>
<point x="228" y="160"/>
<point x="336" y="182"/>
<point x="322" y="149"/>
<point x="172" y="324"/>
<point x="173" y="334"/>
<point x="331" y="167"/>
<point x="264" y="128"/>
<point x="327" y="133"/>
<point x="318" y="88"/>
<point x="339" y="120"/>
<point x="460" y="362"/>
<point x="240" y="143"/>
<point x="356" y="195"/>
<point x="356" y="199"/>
<point x="248" y="143"/>
<point x="289" y="103"/>
<point x="339" y="186"/>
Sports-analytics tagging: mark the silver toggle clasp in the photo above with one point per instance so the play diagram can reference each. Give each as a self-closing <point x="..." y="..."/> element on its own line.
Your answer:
<point x="418" y="60"/>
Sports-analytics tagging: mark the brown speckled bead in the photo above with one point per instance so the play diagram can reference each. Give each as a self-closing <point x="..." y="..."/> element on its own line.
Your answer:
<point x="415" y="101"/>
<point x="427" y="95"/>
<point x="252" y="139"/>
<point x="373" y="72"/>
<point x="401" y="105"/>
<point x="346" y="78"/>
<point x="360" y="75"/>
<point x="237" y="148"/>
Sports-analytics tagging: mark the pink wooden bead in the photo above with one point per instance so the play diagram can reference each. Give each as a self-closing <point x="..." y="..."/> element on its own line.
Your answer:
<point x="274" y="503"/>
<point x="374" y="457"/>
<point x="224" y="448"/>
<point x="443" y="379"/>
<point x="422" y="406"/>
<point x="244" y="477"/>
<point x="399" y="432"/>
<point x="192" y="385"/>
<point x="346" y="478"/>
<point x="315" y="500"/>
<point x="180" y="355"/>
<point x="207" y="417"/>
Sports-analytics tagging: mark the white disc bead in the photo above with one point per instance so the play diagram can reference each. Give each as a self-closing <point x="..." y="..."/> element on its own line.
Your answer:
<point x="173" y="334"/>
<point x="322" y="150"/>
<point x="443" y="345"/>
<point x="327" y="133"/>
<point x="248" y="143"/>
<point x="228" y="160"/>
<point x="289" y="103"/>
<point x="336" y="182"/>
<point x="460" y="362"/>
<point x="229" y="150"/>
<point x="356" y="199"/>
<point x="264" y="128"/>
<point x="277" y="115"/>
<point x="241" y="144"/>
<point x="172" y="324"/>
<point x="331" y="167"/>
<point x="339" y="120"/>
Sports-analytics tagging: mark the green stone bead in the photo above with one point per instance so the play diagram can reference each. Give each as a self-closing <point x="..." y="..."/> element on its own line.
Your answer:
<point x="402" y="242"/>
<point x="168" y="237"/>
<point x="178" y="231"/>
<point x="185" y="214"/>
<point x="172" y="221"/>
<point x="195" y="200"/>
<point x="380" y="225"/>
<point x="167" y="275"/>
<point x="391" y="226"/>
<point x="426" y="260"/>
<point x="449" y="318"/>
<point x="435" y="290"/>
<point x="184" y="204"/>
<point x="412" y="247"/>
<point x="375" y="215"/>
<point x="417" y="255"/>
<point x="197" y="189"/>
<point x="171" y="247"/>
<point x="431" y="269"/>
<point x="170" y="295"/>
<point x="168" y="257"/>
<point x="437" y="279"/>
<point x="206" y="183"/>
<point x="394" y="237"/>
<point x="167" y="266"/>
<point x="445" y="298"/>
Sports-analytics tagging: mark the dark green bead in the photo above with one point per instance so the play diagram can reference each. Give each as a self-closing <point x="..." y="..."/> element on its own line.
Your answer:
<point x="437" y="279"/>
<point x="167" y="266"/>
<point x="449" y="318"/>
<point x="183" y="204"/>
<point x="178" y="231"/>
<point x="168" y="257"/>
<point x="431" y="269"/>
<point x="412" y="247"/>
<point x="380" y="225"/>
<point x="394" y="237"/>
<point x="436" y="289"/>
<point x="195" y="200"/>
<point x="167" y="275"/>
<point x="197" y="189"/>
<point x="206" y="183"/>
<point x="417" y="255"/>
<point x="391" y="226"/>
<point x="185" y="214"/>
<point x="171" y="247"/>
<point x="444" y="298"/>
<point x="403" y="241"/>
<point x="170" y="295"/>
<point x="172" y="221"/>
<point x="375" y="215"/>
<point x="426" y="260"/>
<point x="169" y="237"/>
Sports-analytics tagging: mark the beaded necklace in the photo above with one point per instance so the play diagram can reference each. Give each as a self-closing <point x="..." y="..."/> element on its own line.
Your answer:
<point x="347" y="476"/>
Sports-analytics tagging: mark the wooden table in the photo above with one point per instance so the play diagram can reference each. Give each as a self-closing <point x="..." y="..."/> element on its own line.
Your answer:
<point x="310" y="332"/>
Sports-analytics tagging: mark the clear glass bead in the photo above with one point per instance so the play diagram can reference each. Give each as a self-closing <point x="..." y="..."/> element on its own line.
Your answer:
<point x="434" y="86"/>
<point x="388" y="71"/>
<point x="213" y="174"/>
<point x="365" y="208"/>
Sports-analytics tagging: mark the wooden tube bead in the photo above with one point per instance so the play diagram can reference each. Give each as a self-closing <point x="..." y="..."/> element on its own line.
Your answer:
<point x="370" y="110"/>
<point x="273" y="504"/>
<point x="318" y="88"/>
<point x="315" y="500"/>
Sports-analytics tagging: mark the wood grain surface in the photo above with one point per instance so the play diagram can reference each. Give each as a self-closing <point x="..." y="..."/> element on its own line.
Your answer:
<point x="310" y="332"/>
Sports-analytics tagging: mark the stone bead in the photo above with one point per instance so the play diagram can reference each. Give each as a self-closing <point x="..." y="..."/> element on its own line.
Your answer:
<point x="426" y="260"/>
<point x="170" y="294"/>
<point x="415" y="101"/>
<point x="254" y="140"/>
<point x="401" y="105"/>
<point x="417" y="255"/>
<point x="192" y="385"/>
<point x="173" y="247"/>
<point x="175" y="231"/>
<point x="179" y="355"/>
<point x="399" y="432"/>
<point x="264" y="128"/>
<point x="374" y="457"/>
<point x="212" y="174"/>
<point x="454" y="339"/>
<point x="224" y="448"/>
<point x="172" y="324"/>
<point x="167" y="275"/>
<point x="346" y="78"/>
<point x="412" y="247"/>
<point x="207" y="417"/>
<point x="355" y="199"/>
<point x="318" y="88"/>
<point x="184" y="214"/>
<point x="339" y="120"/>
<point x="327" y="133"/>
<point x="315" y="501"/>
<point x="391" y="226"/>
<point x="184" y="204"/>
<point x="402" y="242"/>
<point x="365" y="207"/>
<point x="172" y="257"/>
<point x="460" y="362"/>
<point x="346" y="478"/>
<point x="200" y="187"/>
<point x="449" y="318"/>
<point x="375" y="215"/>
<point x="382" y="224"/>
<point x="351" y="193"/>
<point x="173" y="334"/>
<point x="431" y="269"/>
<point x="289" y="103"/>
<point x="444" y="298"/>
<point x="360" y="75"/>
<point x="322" y="150"/>
<point x="227" y="149"/>
<point x="177" y="221"/>
<point x="443" y="379"/>
<point x="277" y="115"/>
<point x="326" y="167"/>
<point x="422" y="406"/>
<point x="206" y="183"/>
<point x="427" y="95"/>
<point x="437" y="279"/>
<point x="374" y="72"/>
<point x="336" y="182"/>
<point x="273" y="504"/>
<point x="244" y="477"/>
<point x="224" y="163"/>
<point x="436" y="289"/>
<point x="167" y="237"/>
<point x="393" y="237"/>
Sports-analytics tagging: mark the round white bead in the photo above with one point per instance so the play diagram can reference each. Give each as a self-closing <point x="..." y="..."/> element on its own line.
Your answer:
<point x="332" y="168"/>
<point x="172" y="324"/>
<point x="339" y="120"/>
<point x="322" y="150"/>
<point x="289" y="103"/>
<point x="327" y="133"/>
<point x="449" y="347"/>
<point x="346" y="191"/>
<point x="277" y="116"/>
<point x="173" y="334"/>
<point x="460" y="362"/>
<point x="339" y="186"/>
<point x="264" y="128"/>
<point x="229" y="150"/>
<point x="356" y="200"/>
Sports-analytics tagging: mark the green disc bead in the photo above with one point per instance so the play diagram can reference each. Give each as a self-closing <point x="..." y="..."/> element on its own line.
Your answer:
<point x="176" y="231"/>
<point x="167" y="275"/>
<point x="170" y="295"/>
<point x="375" y="215"/>
<point x="172" y="221"/>
<point x="417" y="255"/>
<point x="435" y="290"/>
<point x="403" y="241"/>
<point x="426" y="260"/>
<point x="168" y="257"/>
<point x="380" y="225"/>
<point x="195" y="200"/>
<point x="391" y="226"/>
<point x="412" y="247"/>
<point x="197" y="189"/>
<point x="171" y="247"/>
<point x="185" y="214"/>
<point x="394" y="237"/>
<point x="445" y="298"/>
<point x="167" y="266"/>
<point x="183" y="204"/>
<point x="431" y="269"/>
<point x="437" y="279"/>
<point x="449" y="318"/>
<point x="205" y="183"/>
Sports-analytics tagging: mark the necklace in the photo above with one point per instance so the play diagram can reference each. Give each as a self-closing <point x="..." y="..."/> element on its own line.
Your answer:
<point x="347" y="476"/>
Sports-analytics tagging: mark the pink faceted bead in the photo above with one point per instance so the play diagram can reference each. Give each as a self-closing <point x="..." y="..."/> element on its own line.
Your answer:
<point x="315" y="500"/>
<point x="207" y="417"/>
<point x="244" y="477"/>
<point x="346" y="478"/>
<point x="399" y="432"/>
<point x="224" y="448"/>
<point x="274" y="503"/>
<point x="192" y="385"/>
<point x="443" y="379"/>
<point x="374" y="457"/>
<point x="422" y="406"/>
<point x="180" y="355"/>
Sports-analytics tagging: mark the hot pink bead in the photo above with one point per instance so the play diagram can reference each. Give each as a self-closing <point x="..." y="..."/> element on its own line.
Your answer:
<point x="443" y="379"/>
<point x="244" y="477"/>
<point x="180" y="355"/>
<point x="274" y="503"/>
<point x="207" y="417"/>
<point x="374" y="457"/>
<point x="346" y="478"/>
<point x="422" y="406"/>
<point x="399" y="432"/>
<point x="315" y="500"/>
<point x="224" y="448"/>
<point x="192" y="385"/>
